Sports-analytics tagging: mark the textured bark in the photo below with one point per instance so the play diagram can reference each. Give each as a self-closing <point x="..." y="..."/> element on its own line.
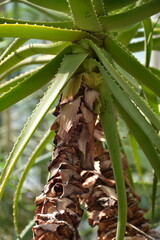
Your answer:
<point x="101" y="202"/>
<point x="58" y="211"/>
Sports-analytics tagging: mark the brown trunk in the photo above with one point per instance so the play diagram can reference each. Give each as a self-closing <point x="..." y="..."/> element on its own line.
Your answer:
<point x="58" y="211"/>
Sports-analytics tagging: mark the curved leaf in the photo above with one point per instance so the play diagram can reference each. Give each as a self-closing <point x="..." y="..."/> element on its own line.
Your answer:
<point x="139" y="46"/>
<point x="131" y="109"/>
<point x="14" y="81"/>
<point x="41" y="32"/>
<point x="29" y="61"/>
<point x="60" y="5"/>
<point x="110" y="130"/>
<point x="118" y="21"/>
<point x="148" y="40"/>
<point x="56" y="15"/>
<point x="99" y="7"/>
<point x="134" y="149"/>
<point x="111" y="5"/>
<point x="25" y="234"/>
<point x="67" y="69"/>
<point x="26" y="87"/>
<point x="141" y="74"/>
<point x="18" y="42"/>
<point x="142" y="105"/>
<point x="148" y="29"/>
<point x="84" y="15"/>
<point x="29" y="50"/>
<point x="142" y="139"/>
<point x="65" y="24"/>
<point x="125" y="37"/>
<point x="40" y="147"/>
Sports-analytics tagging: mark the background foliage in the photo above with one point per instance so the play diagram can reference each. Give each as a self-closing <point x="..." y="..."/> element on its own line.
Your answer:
<point x="13" y="119"/>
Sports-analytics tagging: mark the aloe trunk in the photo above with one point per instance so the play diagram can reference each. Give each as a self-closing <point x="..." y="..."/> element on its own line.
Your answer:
<point x="95" y="77"/>
<point x="58" y="211"/>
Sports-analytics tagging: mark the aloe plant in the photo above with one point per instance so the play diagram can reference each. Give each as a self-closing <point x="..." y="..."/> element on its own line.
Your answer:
<point x="89" y="48"/>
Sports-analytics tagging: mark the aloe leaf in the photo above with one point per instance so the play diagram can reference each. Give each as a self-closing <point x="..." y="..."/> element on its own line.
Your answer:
<point x="18" y="42"/>
<point x="127" y="88"/>
<point x="26" y="233"/>
<point x="143" y="140"/>
<point x="111" y="5"/>
<point x="41" y="32"/>
<point x="140" y="34"/>
<point x="139" y="46"/>
<point x="99" y="7"/>
<point x="41" y="159"/>
<point x="134" y="149"/>
<point x="155" y="71"/>
<point x="148" y="40"/>
<point x="29" y="61"/>
<point x="29" y="50"/>
<point x="148" y="29"/>
<point x="131" y="65"/>
<point x="68" y="67"/>
<point x="26" y="87"/>
<point x="40" y="147"/>
<point x="84" y="15"/>
<point x="110" y="130"/>
<point x="65" y="24"/>
<point x="14" y="81"/>
<point x="118" y="21"/>
<point x="61" y="5"/>
<point x="154" y="194"/>
<point x="151" y="97"/>
<point x="125" y="36"/>
<point x="131" y="109"/>
<point x="56" y="15"/>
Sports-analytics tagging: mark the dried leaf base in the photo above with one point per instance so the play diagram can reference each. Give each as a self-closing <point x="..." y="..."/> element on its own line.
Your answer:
<point x="58" y="211"/>
<point x="101" y="202"/>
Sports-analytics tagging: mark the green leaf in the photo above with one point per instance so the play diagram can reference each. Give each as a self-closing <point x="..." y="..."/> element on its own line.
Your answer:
<point x="18" y="42"/>
<point x="108" y="119"/>
<point x="14" y="81"/>
<point x="111" y="5"/>
<point x="26" y="233"/>
<point x="69" y="66"/>
<point x="99" y="7"/>
<point x="118" y="21"/>
<point x="148" y="40"/>
<point x="155" y="72"/>
<point x="41" y="32"/>
<point x="131" y="109"/>
<point x="154" y="194"/>
<point x="26" y="87"/>
<point x="40" y="147"/>
<point x="139" y="46"/>
<point x="148" y="29"/>
<point x="56" y="15"/>
<point x="156" y="32"/>
<point x="142" y="139"/>
<point x="84" y="15"/>
<point x="134" y="149"/>
<point x="126" y="36"/>
<point x="60" y="5"/>
<point x="29" y="61"/>
<point x="131" y="65"/>
<point x="142" y="105"/>
<point x="29" y="50"/>
<point x="65" y="24"/>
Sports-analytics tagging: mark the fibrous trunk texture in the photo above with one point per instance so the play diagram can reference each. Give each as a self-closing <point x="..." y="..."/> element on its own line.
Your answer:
<point x="101" y="202"/>
<point x="58" y="211"/>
